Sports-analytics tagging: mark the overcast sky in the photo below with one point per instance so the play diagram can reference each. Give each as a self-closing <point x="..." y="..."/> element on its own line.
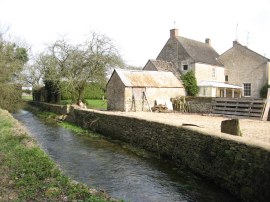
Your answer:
<point x="140" y="28"/>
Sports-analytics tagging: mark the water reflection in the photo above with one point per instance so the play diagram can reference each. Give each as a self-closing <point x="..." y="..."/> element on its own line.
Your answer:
<point x="123" y="175"/>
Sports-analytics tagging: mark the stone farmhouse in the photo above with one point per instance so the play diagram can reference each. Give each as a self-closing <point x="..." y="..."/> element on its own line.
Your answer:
<point x="137" y="90"/>
<point x="181" y="54"/>
<point x="246" y="68"/>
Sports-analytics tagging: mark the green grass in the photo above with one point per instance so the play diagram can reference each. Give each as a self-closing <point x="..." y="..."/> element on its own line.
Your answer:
<point x="27" y="97"/>
<point x="97" y="104"/>
<point x="28" y="174"/>
<point x="91" y="104"/>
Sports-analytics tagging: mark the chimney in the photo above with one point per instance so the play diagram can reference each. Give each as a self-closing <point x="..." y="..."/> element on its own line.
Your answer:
<point x="208" y="41"/>
<point x="235" y="43"/>
<point x="173" y="33"/>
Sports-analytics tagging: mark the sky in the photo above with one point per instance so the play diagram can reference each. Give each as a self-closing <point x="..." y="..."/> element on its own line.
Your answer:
<point x="140" y="28"/>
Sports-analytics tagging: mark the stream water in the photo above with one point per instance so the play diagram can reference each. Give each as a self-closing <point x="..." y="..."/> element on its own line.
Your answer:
<point x="121" y="173"/>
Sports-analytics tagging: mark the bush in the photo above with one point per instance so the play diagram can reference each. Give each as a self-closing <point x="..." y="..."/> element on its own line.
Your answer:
<point x="92" y="91"/>
<point x="190" y="83"/>
<point x="264" y="90"/>
<point x="10" y="98"/>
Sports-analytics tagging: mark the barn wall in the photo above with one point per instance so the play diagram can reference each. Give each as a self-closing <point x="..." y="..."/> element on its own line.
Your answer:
<point x="151" y="94"/>
<point x="115" y="94"/>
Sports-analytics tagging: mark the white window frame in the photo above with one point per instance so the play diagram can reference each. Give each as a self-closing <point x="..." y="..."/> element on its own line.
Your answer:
<point x="247" y="89"/>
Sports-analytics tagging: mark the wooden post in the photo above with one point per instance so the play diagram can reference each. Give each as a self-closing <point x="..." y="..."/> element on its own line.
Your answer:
<point x="267" y="106"/>
<point x="147" y="101"/>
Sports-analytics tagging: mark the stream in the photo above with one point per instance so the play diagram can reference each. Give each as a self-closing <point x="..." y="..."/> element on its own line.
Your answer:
<point x="108" y="166"/>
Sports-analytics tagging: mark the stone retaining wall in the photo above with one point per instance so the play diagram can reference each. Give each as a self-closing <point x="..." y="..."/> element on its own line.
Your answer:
<point x="238" y="166"/>
<point x="199" y="104"/>
<point x="58" y="109"/>
<point x="202" y="105"/>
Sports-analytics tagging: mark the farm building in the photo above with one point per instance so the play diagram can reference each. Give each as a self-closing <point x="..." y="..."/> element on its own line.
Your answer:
<point x="180" y="55"/>
<point x="136" y="90"/>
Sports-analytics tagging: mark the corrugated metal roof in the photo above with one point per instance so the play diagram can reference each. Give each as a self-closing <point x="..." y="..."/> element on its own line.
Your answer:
<point x="138" y="78"/>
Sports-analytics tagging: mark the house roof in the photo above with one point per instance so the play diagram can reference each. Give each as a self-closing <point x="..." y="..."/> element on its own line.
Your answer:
<point x="138" y="78"/>
<point x="199" y="51"/>
<point x="237" y="44"/>
<point x="162" y="65"/>
<point x="217" y="84"/>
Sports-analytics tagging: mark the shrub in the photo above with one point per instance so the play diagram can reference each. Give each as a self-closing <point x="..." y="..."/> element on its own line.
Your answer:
<point x="190" y="83"/>
<point x="264" y="90"/>
<point x="10" y="98"/>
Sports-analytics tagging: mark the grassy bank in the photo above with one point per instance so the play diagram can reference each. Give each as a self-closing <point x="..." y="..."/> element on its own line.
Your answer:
<point x="28" y="174"/>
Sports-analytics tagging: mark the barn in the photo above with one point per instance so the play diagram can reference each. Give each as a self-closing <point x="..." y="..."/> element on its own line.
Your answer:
<point x="137" y="90"/>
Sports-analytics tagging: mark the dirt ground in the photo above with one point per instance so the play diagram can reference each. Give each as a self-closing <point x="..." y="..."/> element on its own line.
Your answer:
<point x="253" y="130"/>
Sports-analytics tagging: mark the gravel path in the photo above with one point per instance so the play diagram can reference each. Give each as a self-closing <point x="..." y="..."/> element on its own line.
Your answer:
<point x="254" y="130"/>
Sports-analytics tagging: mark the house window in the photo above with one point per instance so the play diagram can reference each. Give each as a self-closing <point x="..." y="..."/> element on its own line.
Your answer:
<point x="185" y="67"/>
<point x="213" y="72"/>
<point x="247" y="89"/>
<point x="226" y="78"/>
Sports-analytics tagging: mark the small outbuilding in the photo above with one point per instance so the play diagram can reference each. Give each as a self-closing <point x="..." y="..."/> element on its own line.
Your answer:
<point x="136" y="90"/>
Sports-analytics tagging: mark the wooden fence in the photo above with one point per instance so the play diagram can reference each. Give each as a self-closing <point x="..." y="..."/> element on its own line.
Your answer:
<point x="251" y="108"/>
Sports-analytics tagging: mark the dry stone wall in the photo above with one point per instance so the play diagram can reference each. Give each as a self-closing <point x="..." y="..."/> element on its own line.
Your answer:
<point x="199" y="104"/>
<point x="238" y="166"/>
<point x="58" y="109"/>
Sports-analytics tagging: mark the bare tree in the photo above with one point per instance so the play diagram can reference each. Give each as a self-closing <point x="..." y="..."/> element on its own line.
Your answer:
<point x="78" y="65"/>
<point x="33" y="73"/>
<point x="90" y="62"/>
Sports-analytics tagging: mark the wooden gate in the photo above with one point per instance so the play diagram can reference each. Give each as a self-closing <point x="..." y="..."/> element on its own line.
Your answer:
<point x="246" y="108"/>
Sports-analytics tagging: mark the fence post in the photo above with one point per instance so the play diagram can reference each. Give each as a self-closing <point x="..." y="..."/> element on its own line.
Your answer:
<point x="267" y="106"/>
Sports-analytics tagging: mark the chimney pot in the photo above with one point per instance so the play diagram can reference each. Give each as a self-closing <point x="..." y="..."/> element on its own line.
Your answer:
<point x="235" y="43"/>
<point x="208" y="41"/>
<point x="173" y="33"/>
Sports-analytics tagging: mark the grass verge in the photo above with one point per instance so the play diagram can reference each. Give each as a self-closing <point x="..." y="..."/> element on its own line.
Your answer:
<point x="91" y="104"/>
<point x="97" y="104"/>
<point x="28" y="174"/>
